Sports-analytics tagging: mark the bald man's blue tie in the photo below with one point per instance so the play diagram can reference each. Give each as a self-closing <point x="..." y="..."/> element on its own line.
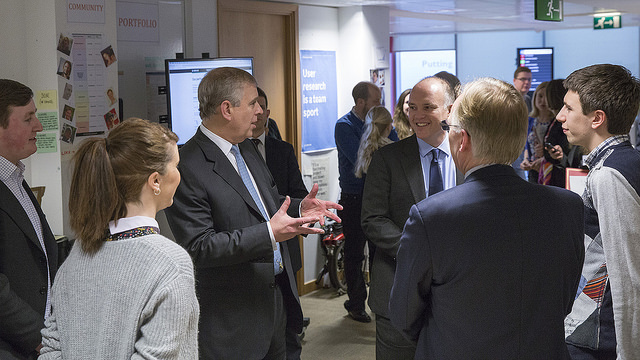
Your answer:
<point x="246" y="179"/>
<point x="435" y="175"/>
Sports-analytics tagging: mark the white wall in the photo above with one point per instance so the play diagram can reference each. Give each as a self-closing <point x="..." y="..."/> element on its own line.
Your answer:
<point x="575" y="49"/>
<point x="24" y="59"/>
<point x="319" y="31"/>
<point x="492" y="53"/>
<point x="414" y="42"/>
<point x="201" y="28"/>
<point x="353" y="33"/>
<point x="136" y="58"/>
<point x="29" y="32"/>
<point x="14" y="35"/>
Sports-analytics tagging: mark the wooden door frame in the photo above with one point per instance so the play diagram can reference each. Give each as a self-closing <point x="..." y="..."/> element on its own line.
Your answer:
<point x="292" y="58"/>
<point x="292" y="81"/>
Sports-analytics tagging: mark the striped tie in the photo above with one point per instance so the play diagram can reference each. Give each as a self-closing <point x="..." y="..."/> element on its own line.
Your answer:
<point x="246" y="179"/>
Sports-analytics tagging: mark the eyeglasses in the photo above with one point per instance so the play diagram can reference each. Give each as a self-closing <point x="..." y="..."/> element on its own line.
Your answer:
<point x="524" y="79"/>
<point x="447" y="127"/>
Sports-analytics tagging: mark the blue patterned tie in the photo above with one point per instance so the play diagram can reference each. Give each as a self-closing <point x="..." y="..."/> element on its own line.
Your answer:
<point x="435" y="176"/>
<point x="246" y="179"/>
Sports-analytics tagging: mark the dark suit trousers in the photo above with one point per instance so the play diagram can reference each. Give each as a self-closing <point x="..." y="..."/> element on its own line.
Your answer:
<point x="355" y="240"/>
<point x="390" y="343"/>
<point x="277" y="350"/>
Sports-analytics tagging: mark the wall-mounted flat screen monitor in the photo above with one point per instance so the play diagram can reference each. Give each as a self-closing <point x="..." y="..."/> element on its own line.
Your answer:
<point x="540" y="61"/>
<point x="183" y="78"/>
<point x="413" y="66"/>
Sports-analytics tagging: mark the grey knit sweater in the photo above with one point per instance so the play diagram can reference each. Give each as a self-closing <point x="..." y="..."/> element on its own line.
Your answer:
<point x="133" y="299"/>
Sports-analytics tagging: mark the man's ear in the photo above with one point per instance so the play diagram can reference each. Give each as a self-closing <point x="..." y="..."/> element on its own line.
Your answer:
<point x="225" y="109"/>
<point x="599" y="120"/>
<point x="266" y="114"/>
<point x="465" y="143"/>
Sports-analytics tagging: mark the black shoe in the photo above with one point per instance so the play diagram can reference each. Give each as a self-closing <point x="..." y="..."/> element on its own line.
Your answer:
<point x="357" y="315"/>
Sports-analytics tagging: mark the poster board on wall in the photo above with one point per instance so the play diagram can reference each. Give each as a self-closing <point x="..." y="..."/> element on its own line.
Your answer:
<point x="319" y="99"/>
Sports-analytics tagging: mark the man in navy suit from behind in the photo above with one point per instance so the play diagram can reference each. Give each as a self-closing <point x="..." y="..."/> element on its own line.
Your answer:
<point x="478" y="275"/>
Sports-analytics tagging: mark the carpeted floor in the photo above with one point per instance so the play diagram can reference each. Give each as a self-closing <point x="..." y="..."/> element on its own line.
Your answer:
<point x="332" y="334"/>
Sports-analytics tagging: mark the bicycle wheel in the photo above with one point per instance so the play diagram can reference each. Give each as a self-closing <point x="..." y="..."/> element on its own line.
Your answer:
<point x="336" y="268"/>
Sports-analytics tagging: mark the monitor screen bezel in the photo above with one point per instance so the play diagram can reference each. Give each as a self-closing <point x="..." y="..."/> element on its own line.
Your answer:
<point x="170" y="120"/>
<point x="518" y="51"/>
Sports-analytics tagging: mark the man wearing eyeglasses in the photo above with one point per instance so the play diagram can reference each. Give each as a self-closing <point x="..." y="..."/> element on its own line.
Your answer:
<point x="400" y="175"/>
<point x="477" y="277"/>
<point x="522" y="78"/>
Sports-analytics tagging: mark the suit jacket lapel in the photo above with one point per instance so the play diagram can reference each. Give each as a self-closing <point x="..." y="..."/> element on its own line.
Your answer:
<point x="16" y="212"/>
<point x="412" y="167"/>
<point x="47" y="235"/>
<point x="224" y="169"/>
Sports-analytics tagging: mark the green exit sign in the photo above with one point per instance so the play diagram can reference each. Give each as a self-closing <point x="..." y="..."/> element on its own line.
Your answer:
<point x="607" y="22"/>
<point x="548" y="10"/>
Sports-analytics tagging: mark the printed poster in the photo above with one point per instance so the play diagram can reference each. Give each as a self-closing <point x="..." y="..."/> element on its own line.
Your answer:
<point x="319" y="99"/>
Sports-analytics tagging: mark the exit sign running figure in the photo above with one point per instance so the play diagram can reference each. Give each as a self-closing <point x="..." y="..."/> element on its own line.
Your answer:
<point x="548" y="10"/>
<point x="607" y="22"/>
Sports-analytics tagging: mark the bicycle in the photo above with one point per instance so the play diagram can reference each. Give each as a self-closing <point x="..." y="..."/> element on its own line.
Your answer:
<point x="332" y="246"/>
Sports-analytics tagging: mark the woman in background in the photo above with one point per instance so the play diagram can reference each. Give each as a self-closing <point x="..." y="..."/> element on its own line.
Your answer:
<point x="125" y="291"/>
<point x="558" y="153"/>
<point x="377" y="127"/>
<point x="401" y="116"/>
<point x="542" y="116"/>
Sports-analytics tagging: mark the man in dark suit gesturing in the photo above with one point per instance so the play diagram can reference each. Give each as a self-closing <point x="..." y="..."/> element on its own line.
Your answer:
<point x="28" y="251"/>
<point x="477" y="275"/>
<point x="283" y="165"/>
<point x="226" y="215"/>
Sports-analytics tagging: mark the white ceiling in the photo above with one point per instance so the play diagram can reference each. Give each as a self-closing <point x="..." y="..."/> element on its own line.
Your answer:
<point x="455" y="16"/>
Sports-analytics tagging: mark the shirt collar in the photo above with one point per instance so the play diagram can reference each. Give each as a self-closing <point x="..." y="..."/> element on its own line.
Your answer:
<point x="426" y="148"/>
<point x="262" y="137"/>
<point x="8" y="169"/>
<point x="128" y="223"/>
<point x="476" y="168"/>
<point x="355" y="114"/>
<point x="223" y="144"/>
<point x="594" y="155"/>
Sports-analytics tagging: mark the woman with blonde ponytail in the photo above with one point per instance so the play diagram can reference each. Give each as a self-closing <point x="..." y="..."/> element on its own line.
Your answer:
<point x="125" y="291"/>
<point x="377" y="127"/>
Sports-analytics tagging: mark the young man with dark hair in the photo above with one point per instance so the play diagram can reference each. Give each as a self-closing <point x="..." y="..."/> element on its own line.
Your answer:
<point x="600" y="107"/>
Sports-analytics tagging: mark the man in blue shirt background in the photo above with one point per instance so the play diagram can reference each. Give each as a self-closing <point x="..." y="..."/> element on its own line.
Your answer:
<point x="348" y="132"/>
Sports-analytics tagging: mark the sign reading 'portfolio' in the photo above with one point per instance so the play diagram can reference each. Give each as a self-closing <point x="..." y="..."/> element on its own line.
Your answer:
<point x="137" y="22"/>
